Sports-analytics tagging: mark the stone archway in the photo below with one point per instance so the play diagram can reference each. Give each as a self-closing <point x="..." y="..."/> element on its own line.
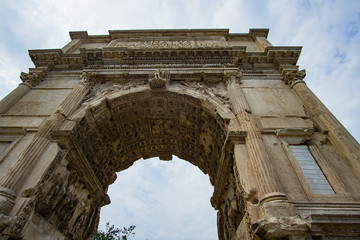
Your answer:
<point x="118" y="97"/>
<point x="108" y="133"/>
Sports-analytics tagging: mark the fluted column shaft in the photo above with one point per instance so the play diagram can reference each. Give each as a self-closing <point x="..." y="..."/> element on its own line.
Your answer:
<point x="267" y="186"/>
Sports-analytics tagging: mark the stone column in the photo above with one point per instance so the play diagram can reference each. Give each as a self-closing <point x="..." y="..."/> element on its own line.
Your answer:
<point x="324" y="119"/>
<point x="13" y="180"/>
<point x="267" y="188"/>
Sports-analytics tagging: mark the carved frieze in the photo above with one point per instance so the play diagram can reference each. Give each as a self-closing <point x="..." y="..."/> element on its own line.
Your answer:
<point x="63" y="196"/>
<point x="171" y="44"/>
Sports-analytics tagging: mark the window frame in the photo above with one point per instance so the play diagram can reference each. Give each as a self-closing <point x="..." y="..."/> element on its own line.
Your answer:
<point x="297" y="136"/>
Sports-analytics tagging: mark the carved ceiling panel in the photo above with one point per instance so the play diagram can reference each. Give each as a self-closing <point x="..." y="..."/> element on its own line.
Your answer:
<point x="118" y="131"/>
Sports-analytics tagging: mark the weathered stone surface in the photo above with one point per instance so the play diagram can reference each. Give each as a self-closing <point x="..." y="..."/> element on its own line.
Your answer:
<point x="231" y="104"/>
<point x="279" y="227"/>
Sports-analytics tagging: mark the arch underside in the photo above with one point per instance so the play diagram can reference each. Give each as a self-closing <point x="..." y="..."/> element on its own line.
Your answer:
<point x="116" y="131"/>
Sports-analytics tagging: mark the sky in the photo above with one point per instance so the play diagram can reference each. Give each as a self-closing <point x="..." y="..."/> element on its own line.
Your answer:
<point x="167" y="199"/>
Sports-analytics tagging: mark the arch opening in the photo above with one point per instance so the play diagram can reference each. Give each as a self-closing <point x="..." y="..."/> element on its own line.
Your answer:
<point x="165" y="200"/>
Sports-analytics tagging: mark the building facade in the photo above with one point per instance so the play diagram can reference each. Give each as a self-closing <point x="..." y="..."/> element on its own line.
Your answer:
<point x="233" y="105"/>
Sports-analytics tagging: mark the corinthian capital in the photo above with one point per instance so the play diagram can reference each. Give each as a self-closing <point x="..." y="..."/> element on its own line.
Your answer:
<point x="31" y="79"/>
<point x="88" y="78"/>
<point x="34" y="77"/>
<point x="232" y="76"/>
<point x="293" y="77"/>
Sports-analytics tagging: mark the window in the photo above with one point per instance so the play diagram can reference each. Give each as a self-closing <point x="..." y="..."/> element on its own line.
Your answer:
<point x="313" y="174"/>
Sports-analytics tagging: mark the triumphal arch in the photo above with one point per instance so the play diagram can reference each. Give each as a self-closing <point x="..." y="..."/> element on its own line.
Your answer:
<point x="233" y="105"/>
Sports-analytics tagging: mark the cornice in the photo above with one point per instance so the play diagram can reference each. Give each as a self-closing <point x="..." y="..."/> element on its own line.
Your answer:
<point x="124" y="56"/>
<point x="116" y="34"/>
<point x="123" y="34"/>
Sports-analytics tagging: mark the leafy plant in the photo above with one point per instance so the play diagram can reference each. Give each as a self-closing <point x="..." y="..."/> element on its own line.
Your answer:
<point x="113" y="233"/>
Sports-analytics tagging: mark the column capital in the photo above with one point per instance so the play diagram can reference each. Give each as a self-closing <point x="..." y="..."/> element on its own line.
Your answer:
<point x="31" y="79"/>
<point x="293" y="77"/>
<point x="88" y="78"/>
<point x="34" y="77"/>
<point x="232" y="77"/>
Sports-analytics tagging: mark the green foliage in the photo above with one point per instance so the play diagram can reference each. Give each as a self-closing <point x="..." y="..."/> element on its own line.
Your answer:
<point x="113" y="233"/>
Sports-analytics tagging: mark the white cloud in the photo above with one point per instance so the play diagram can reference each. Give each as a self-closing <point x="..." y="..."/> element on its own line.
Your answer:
<point x="327" y="32"/>
<point x="9" y="73"/>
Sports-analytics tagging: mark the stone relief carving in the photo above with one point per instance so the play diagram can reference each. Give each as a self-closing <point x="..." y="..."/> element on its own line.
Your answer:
<point x="212" y="90"/>
<point x="232" y="211"/>
<point x="99" y="90"/>
<point x="64" y="193"/>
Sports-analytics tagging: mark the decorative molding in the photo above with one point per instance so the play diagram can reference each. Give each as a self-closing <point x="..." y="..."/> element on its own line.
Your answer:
<point x="295" y="135"/>
<point x="109" y="56"/>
